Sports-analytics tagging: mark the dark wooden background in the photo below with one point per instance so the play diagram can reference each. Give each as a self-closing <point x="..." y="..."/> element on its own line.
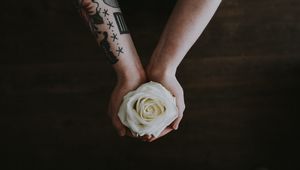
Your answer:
<point x="241" y="82"/>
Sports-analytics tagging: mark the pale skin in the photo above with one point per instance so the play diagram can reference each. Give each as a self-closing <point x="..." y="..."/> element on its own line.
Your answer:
<point x="186" y="23"/>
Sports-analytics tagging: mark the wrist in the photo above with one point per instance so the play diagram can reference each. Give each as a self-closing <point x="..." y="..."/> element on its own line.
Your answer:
<point x="132" y="74"/>
<point x="158" y="70"/>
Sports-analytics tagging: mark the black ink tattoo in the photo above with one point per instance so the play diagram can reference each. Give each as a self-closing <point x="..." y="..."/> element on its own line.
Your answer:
<point x="114" y="37"/>
<point x="106" y="46"/>
<point x="121" y="23"/>
<point x="110" y="24"/>
<point x="112" y="3"/>
<point x="94" y="17"/>
<point x="90" y="11"/>
<point x="105" y="12"/>
<point x="95" y="20"/>
<point x="119" y="50"/>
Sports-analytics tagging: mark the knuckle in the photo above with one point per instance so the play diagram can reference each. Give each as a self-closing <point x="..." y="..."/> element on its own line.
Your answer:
<point x="180" y="115"/>
<point x="181" y="90"/>
<point x="183" y="107"/>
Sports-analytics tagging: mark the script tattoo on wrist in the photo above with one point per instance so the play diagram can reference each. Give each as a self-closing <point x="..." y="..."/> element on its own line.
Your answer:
<point x="96" y="18"/>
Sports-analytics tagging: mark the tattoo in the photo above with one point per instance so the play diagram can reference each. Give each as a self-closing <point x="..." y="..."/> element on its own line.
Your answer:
<point x="106" y="46"/>
<point x="89" y="11"/>
<point x="105" y="12"/>
<point x="110" y="24"/>
<point x="114" y="37"/>
<point x="121" y="23"/>
<point x="95" y="17"/>
<point x="112" y="3"/>
<point x="119" y="50"/>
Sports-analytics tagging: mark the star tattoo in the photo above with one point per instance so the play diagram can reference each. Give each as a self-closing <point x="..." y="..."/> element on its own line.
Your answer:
<point x="114" y="37"/>
<point x="110" y="24"/>
<point x="120" y="50"/>
<point x="105" y="12"/>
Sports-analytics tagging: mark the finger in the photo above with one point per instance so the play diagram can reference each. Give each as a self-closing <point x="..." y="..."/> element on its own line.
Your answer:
<point x="129" y="133"/>
<point x="163" y="133"/>
<point x="177" y="91"/>
<point x="146" y="137"/>
<point x="181" y="107"/>
<point x="176" y="122"/>
<point x="118" y="125"/>
<point x="114" y="106"/>
<point x="166" y="131"/>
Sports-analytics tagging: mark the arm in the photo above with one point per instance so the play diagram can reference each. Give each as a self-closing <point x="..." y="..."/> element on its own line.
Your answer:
<point x="186" y="23"/>
<point x="107" y="24"/>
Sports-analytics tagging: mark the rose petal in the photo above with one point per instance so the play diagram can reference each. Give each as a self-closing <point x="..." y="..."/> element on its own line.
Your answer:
<point x="148" y="110"/>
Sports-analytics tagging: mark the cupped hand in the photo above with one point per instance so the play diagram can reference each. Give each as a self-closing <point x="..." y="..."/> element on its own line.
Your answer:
<point x="170" y="82"/>
<point x="124" y="85"/>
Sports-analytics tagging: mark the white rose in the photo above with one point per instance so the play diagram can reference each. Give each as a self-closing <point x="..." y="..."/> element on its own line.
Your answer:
<point x="148" y="110"/>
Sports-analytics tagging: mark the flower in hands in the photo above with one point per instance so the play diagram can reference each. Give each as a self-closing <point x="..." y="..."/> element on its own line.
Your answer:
<point x="148" y="110"/>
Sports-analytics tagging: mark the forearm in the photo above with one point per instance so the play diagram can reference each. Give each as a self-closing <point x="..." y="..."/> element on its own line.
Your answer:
<point x="106" y="22"/>
<point x="186" y="23"/>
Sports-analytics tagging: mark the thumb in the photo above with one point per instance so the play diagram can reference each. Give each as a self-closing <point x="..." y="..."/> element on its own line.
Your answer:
<point x="180" y="105"/>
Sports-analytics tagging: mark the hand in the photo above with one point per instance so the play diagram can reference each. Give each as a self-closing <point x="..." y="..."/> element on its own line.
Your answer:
<point x="169" y="81"/>
<point x="125" y="84"/>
